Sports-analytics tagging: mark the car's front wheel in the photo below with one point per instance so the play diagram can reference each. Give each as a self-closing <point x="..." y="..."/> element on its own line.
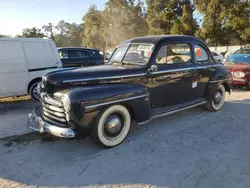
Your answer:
<point x="34" y="91"/>
<point x="112" y="126"/>
<point x="218" y="99"/>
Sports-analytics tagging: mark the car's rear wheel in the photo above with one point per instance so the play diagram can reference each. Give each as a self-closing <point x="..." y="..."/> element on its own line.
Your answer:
<point x="112" y="126"/>
<point x="34" y="92"/>
<point x="218" y="99"/>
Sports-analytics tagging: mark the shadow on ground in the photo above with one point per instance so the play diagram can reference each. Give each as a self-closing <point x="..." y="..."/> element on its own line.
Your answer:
<point x="194" y="148"/>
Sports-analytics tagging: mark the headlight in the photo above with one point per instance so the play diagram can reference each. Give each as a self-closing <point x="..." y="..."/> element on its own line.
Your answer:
<point x="66" y="103"/>
<point x="239" y="74"/>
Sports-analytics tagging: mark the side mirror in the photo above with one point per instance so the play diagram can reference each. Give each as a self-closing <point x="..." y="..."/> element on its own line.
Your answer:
<point x="153" y="68"/>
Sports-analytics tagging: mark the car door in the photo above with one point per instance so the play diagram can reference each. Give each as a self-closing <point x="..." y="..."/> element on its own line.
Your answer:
<point x="171" y="80"/>
<point x="205" y="68"/>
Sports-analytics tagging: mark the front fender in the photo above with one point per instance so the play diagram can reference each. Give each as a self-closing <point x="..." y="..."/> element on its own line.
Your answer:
<point x="89" y="102"/>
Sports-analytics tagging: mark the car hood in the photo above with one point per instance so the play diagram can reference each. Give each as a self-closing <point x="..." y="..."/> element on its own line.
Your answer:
<point x="64" y="79"/>
<point x="237" y="67"/>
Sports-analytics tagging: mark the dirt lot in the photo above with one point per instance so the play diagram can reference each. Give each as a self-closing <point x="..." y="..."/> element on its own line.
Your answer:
<point x="192" y="149"/>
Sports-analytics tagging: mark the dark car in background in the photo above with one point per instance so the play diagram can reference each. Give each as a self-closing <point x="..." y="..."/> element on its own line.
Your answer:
<point x="239" y="65"/>
<point x="80" y="57"/>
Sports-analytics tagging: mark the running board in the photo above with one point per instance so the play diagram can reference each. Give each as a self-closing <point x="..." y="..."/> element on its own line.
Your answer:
<point x="171" y="112"/>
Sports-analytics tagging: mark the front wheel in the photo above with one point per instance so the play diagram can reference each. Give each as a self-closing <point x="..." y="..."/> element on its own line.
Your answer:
<point x="218" y="100"/>
<point x="112" y="127"/>
<point x="34" y="92"/>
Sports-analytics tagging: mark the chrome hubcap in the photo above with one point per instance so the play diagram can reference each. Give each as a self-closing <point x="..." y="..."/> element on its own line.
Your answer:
<point x="113" y="125"/>
<point x="217" y="97"/>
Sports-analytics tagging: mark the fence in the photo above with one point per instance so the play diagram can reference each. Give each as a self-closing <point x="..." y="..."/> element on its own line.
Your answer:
<point x="230" y="49"/>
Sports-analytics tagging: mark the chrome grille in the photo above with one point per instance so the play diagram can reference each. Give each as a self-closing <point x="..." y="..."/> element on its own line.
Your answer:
<point x="53" y="109"/>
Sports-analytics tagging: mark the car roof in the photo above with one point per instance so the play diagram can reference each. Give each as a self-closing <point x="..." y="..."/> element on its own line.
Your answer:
<point x="159" y="38"/>
<point x="76" y="48"/>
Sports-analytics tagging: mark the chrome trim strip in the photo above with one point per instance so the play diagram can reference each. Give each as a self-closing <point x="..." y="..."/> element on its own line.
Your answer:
<point x="173" y="70"/>
<point x="186" y="69"/>
<point x="102" y="78"/>
<point x="58" y="114"/>
<point x="48" y="115"/>
<point x="209" y="66"/>
<point x="126" y="99"/>
<point x="172" y="112"/>
<point x="52" y="102"/>
<point x="216" y="81"/>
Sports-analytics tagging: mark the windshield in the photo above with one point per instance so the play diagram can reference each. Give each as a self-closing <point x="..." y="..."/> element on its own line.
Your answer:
<point x="243" y="51"/>
<point x="239" y="59"/>
<point x="138" y="54"/>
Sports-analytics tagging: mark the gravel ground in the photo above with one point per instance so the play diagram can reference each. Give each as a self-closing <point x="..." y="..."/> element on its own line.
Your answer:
<point x="194" y="148"/>
<point x="13" y="115"/>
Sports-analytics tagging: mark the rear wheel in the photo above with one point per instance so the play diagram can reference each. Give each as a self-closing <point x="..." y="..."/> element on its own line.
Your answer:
<point x="112" y="127"/>
<point x="34" y="92"/>
<point x="218" y="99"/>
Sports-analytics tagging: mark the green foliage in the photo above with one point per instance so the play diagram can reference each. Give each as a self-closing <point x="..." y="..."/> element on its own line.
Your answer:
<point x="225" y="22"/>
<point x="237" y="22"/>
<point x="32" y="33"/>
<point x="120" y="20"/>
<point x="171" y="17"/>
<point x="64" y="34"/>
<point x="49" y="30"/>
<point x="124" y="19"/>
<point x="93" y="28"/>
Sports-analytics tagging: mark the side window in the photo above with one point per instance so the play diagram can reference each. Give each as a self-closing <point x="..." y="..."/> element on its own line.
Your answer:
<point x="200" y="53"/>
<point x="174" y="54"/>
<point x="75" y="54"/>
<point x="63" y="54"/>
<point x="86" y="53"/>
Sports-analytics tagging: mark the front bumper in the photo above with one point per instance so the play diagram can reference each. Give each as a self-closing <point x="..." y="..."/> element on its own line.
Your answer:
<point x="36" y="123"/>
<point x="240" y="81"/>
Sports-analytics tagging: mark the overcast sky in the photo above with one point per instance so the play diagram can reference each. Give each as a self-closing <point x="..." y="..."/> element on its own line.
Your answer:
<point x="15" y="15"/>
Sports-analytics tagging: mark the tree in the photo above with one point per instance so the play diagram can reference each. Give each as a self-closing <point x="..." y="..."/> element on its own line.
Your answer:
<point x="171" y="17"/>
<point x="64" y="34"/>
<point x="225" y="21"/>
<point x="212" y="29"/>
<point x="49" y="30"/>
<point x="184" y="22"/>
<point x="32" y="33"/>
<point x="75" y="34"/>
<point x="124" y="19"/>
<point x="237" y="21"/>
<point x="93" y="29"/>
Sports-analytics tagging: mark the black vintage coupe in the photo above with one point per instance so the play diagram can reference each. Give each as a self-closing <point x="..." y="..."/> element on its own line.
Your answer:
<point x="146" y="78"/>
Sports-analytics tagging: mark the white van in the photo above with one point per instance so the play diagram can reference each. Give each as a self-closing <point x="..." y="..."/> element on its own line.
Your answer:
<point x="23" y="62"/>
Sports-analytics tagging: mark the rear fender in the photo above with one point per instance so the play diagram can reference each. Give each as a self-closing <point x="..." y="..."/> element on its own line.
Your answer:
<point x="221" y="76"/>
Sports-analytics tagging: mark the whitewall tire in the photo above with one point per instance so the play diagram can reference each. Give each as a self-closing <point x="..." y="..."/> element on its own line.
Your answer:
<point x="218" y="99"/>
<point x="112" y="126"/>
